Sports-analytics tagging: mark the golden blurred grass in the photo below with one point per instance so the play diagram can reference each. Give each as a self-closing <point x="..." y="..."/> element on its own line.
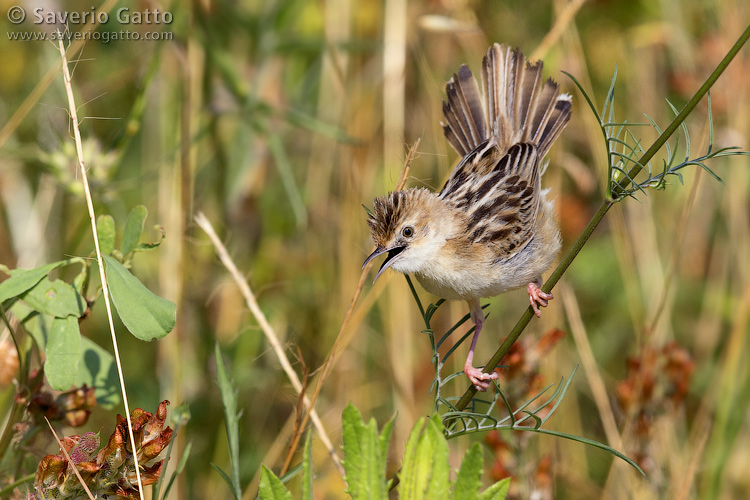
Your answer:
<point x="280" y="119"/>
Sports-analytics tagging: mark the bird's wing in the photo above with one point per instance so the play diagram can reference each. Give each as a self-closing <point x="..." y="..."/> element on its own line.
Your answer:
<point x="499" y="198"/>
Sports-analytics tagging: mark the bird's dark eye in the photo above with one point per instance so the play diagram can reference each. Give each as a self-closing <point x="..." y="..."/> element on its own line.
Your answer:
<point x="407" y="232"/>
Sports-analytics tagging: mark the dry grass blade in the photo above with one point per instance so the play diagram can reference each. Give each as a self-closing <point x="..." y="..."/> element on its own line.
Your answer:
<point x="564" y="19"/>
<point x="99" y="259"/>
<point x="594" y="376"/>
<point x="338" y="344"/>
<point x="252" y="304"/>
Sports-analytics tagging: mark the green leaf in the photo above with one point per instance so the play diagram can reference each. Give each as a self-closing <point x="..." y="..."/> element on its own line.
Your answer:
<point x="55" y="298"/>
<point x="37" y="325"/>
<point x="408" y="475"/>
<point x="231" y="419"/>
<point x="437" y="453"/>
<point x="133" y="229"/>
<point x="307" y="485"/>
<point x="284" y="167"/>
<point x="80" y="282"/>
<point x="469" y="478"/>
<point x="498" y="491"/>
<point x="178" y="470"/>
<point x="63" y="353"/>
<point x="144" y="314"/>
<point x="97" y="369"/>
<point x="385" y="441"/>
<point x="142" y="247"/>
<point x="425" y="472"/>
<point x="22" y="280"/>
<point x="363" y="460"/>
<point x="105" y="228"/>
<point x="310" y="122"/>
<point x="271" y="487"/>
<point x="590" y="442"/>
<point x="226" y="479"/>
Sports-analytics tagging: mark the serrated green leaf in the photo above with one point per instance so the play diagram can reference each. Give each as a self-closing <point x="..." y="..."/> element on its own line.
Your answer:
<point x="22" y="280"/>
<point x="105" y="229"/>
<point x="97" y="369"/>
<point x="146" y="315"/>
<point x="385" y="442"/>
<point x="469" y="478"/>
<point x="425" y="472"/>
<point x="408" y="468"/>
<point x="437" y="453"/>
<point x="307" y="485"/>
<point x="133" y="229"/>
<point x="363" y="462"/>
<point x="498" y="491"/>
<point x="63" y="353"/>
<point x="271" y="487"/>
<point x="55" y="298"/>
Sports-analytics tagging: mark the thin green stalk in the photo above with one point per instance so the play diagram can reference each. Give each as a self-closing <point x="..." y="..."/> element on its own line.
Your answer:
<point x="604" y="208"/>
<point x="29" y="478"/>
<point x="691" y="104"/>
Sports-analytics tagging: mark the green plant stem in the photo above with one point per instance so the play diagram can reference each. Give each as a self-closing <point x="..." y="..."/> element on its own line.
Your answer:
<point x="619" y="191"/>
<point x="682" y="115"/>
<point x="15" y="484"/>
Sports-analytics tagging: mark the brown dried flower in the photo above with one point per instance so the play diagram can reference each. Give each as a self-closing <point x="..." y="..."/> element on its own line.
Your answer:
<point x="109" y="472"/>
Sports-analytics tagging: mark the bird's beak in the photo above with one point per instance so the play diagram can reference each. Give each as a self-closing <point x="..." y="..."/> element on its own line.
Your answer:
<point x="392" y="253"/>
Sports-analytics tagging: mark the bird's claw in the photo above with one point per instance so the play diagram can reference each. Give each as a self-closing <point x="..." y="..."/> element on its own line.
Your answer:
<point x="538" y="298"/>
<point x="480" y="379"/>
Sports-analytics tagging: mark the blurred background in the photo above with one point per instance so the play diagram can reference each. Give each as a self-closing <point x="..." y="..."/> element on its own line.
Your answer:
<point x="279" y="120"/>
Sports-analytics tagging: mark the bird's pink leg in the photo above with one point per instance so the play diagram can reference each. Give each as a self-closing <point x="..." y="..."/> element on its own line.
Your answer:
<point x="480" y="379"/>
<point x="537" y="297"/>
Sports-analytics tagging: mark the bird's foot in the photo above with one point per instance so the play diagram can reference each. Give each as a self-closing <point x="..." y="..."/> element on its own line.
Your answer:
<point x="537" y="298"/>
<point x="480" y="379"/>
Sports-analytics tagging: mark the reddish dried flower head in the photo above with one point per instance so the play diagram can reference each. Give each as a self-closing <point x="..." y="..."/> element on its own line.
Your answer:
<point x="657" y="382"/>
<point x="110" y="472"/>
<point x="50" y="471"/>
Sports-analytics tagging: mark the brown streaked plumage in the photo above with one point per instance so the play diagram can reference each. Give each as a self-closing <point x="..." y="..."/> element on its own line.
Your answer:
<point x="490" y="229"/>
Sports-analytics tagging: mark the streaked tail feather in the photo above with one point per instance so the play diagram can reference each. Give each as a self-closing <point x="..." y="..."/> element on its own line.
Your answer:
<point x="465" y="125"/>
<point x="518" y="107"/>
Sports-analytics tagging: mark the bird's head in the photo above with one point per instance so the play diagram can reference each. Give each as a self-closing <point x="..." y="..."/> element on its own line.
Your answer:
<point x="407" y="226"/>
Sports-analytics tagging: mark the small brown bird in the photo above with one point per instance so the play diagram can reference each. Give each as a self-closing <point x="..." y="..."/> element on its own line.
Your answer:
<point x="491" y="228"/>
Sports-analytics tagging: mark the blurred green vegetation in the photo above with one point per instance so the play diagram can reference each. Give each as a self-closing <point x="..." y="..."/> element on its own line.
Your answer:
<point x="279" y="119"/>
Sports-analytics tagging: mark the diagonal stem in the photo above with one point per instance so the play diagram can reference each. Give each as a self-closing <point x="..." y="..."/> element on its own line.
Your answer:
<point x="618" y="191"/>
<point x="100" y="261"/>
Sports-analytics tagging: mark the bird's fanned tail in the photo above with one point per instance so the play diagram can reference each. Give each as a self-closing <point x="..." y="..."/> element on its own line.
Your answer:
<point x="518" y="107"/>
<point x="465" y="122"/>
